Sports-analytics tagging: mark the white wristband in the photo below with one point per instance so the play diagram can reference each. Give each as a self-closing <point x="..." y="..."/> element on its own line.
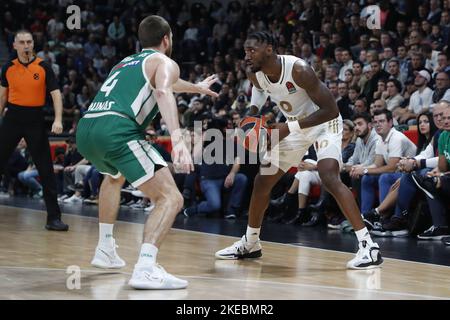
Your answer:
<point x="294" y="126"/>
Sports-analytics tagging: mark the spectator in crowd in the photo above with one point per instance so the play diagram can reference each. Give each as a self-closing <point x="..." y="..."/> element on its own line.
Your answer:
<point x="436" y="186"/>
<point x="442" y="86"/>
<point x="116" y="30"/>
<point x="392" y="146"/>
<point x="392" y="95"/>
<point x="18" y="162"/>
<point x="364" y="152"/>
<point x="420" y="100"/>
<point x="216" y="178"/>
<point x="71" y="111"/>
<point x="361" y="105"/>
<point x="347" y="64"/>
<point x="443" y="63"/>
<point x="29" y="178"/>
<point x="404" y="190"/>
<point x="393" y="68"/>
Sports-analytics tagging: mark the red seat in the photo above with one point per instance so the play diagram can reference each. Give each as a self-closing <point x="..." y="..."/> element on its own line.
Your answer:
<point x="412" y="135"/>
<point x="166" y="143"/>
<point x="53" y="147"/>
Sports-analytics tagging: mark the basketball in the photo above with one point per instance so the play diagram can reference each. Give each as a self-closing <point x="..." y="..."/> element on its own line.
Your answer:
<point x="253" y="133"/>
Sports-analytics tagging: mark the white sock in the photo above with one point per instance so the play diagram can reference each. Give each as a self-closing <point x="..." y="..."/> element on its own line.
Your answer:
<point x="148" y="254"/>
<point x="363" y="235"/>
<point x="376" y="210"/>
<point x="106" y="239"/>
<point x="252" y="234"/>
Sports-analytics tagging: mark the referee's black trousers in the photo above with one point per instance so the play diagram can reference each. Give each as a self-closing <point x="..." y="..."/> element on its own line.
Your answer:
<point x="28" y="123"/>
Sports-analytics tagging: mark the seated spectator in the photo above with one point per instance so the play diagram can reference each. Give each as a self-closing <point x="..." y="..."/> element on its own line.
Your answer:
<point x="403" y="191"/>
<point x="361" y="106"/>
<point x="215" y="178"/>
<point x="392" y="146"/>
<point x="364" y="153"/>
<point x="436" y="186"/>
<point x="18" y="162"/>
<point x="381" y="87"/>
<point x="353" y="95"/>
<point x="91" y="183"/>
<point x="71" y="112"/>
<point x="343" y="102"/>
<point x="240" y="105"/>
<point x="116" y="30"/>
<point x="29" y="178"/>
<point x="108" y="49"/>
<point x="442" y="86"/>
<point x="71" y="159"/>
<point x="83" y="100"/>
<point x="292" y="205"/>
<point x="420" y="100"/>
<point x="392" y="95"/>
<point x="394" y="71"/>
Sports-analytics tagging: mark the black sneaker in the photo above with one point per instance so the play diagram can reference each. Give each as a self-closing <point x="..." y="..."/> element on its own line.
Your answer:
<point x="426" y="184"/>
<point x="434" y="233"/>
<point x="395" y="227"/>
<point x="370" y="217"/>
<point x="280" y="201"/>
<point x="56" y="225"/>
<point x="446" y="241"/>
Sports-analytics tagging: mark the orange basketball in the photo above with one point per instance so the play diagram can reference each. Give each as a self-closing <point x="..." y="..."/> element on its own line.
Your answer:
<point x="253" y="133"/>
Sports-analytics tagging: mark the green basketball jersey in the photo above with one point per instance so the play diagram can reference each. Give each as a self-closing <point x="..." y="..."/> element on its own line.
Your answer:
<point x="127" y="91"/>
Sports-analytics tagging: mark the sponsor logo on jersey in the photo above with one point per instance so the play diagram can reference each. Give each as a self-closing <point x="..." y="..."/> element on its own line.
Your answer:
<point x="290" y="87"/>
<point x="122" y="65"/>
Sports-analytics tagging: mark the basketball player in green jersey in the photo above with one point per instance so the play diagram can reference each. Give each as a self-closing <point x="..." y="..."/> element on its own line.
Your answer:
<point x="111" y="136"/>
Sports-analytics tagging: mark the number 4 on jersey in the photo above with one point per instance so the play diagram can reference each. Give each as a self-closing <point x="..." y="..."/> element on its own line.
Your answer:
<point x="109" y="84"/>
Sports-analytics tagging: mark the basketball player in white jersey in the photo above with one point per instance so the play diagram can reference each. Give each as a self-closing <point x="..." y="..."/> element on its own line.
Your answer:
<point x="313" y="118"/>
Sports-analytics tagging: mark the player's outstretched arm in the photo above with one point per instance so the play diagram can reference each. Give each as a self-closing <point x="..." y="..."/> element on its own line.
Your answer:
<point x="305" y="77"/>
<point x="201" y="87"/>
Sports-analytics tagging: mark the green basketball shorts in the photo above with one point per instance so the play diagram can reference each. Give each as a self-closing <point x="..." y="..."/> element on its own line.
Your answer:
<point x="116" y="146"/>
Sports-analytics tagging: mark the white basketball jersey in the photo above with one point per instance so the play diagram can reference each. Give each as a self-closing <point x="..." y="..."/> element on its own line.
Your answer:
<point x="292" y="100"/>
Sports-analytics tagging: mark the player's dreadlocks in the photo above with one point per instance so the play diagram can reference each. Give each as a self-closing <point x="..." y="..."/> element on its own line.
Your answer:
<point x="263" y="36"/>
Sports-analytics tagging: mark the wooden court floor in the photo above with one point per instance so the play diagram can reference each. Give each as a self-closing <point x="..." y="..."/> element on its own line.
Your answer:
<point x="34" y="265"/>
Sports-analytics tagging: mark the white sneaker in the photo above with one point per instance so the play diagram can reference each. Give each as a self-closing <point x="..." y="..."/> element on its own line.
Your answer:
<point x="74" y="199"/>
<point x="137" y="193"/>
<point x="367" y="257"/>
<point x="154" y="276"/>
<point x="240" y="250"/>
<point x="107" y="258"/>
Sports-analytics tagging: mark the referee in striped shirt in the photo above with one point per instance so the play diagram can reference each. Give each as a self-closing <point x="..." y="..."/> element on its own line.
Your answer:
<point x="25" y="82"/>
